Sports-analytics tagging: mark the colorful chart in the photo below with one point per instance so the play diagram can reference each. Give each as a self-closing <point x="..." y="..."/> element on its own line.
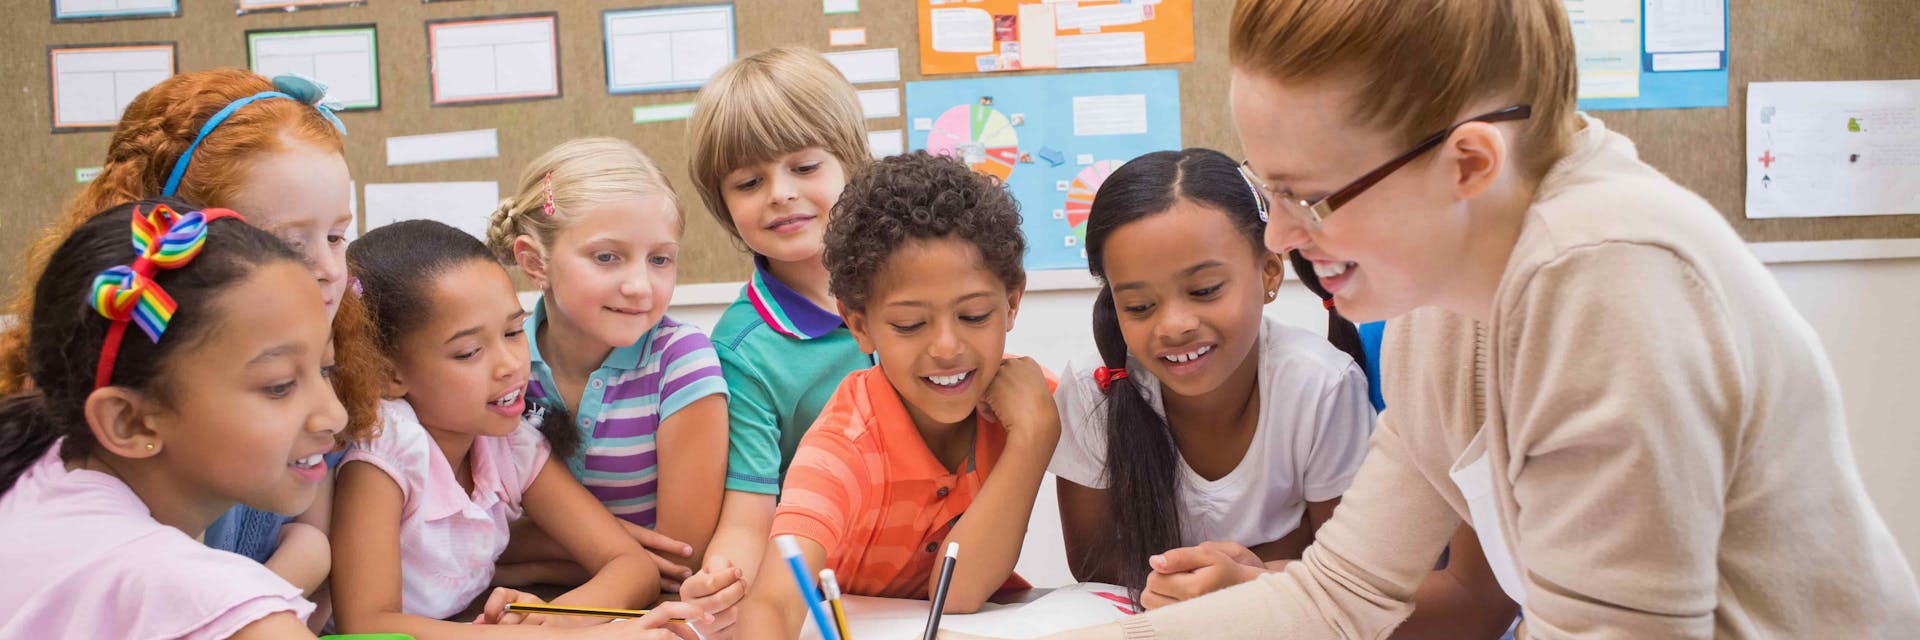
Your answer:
<point x="980" y="135"/>
<point x="1080" y="195"/>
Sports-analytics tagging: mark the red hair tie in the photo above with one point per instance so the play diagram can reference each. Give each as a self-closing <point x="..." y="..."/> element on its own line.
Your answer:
<point x="1328" y="303"/>
<point x="1105" y="377"/>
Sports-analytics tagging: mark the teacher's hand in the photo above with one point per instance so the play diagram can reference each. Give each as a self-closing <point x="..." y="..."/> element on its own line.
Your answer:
<point x="1190" y="572"/>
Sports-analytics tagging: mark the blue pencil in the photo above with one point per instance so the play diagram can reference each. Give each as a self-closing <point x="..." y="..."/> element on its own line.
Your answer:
<point x="791" y="551"/>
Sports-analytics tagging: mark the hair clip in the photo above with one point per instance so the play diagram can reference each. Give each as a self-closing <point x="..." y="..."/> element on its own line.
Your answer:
<point x="1105" y="377"/>
<point x="162" y="239"/>
<point x="548" y="205"/>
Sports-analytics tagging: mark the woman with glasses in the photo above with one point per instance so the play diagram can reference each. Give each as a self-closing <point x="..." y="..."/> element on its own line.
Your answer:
<point x="1585" y="362"/>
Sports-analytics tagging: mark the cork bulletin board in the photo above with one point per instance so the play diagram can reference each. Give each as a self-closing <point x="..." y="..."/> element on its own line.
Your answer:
<point x="1701" y="148"/>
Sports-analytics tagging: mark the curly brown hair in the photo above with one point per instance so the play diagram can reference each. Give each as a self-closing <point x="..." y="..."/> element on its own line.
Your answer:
<point x="917" y="196"/>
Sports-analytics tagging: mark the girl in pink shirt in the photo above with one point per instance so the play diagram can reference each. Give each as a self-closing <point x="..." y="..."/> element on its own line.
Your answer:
<point x="180" y="366"/>
<point x="424" y="508"/>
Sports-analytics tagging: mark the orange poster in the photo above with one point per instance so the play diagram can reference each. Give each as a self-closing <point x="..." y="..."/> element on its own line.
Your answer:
<point x="980" y="36"/>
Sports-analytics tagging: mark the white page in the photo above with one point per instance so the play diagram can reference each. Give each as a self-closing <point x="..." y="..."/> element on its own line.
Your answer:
<point x="92" y="87"/>
<point x="1036" y="36"/>
<point x="441" y="147"/>
<point x="1819" y="149"/>
<point x="662" y="112"/>
<point x="1606" y="40"/>
<point x="1101" y="50"/>
<point x="249" y="5"/>
<point x="839" y="6"/>
<point x="343" y="60"/>
<point x="1698" y="61"/>
<point x="103" y="8"/>
<point x="867" y="65"/>
<point x="888" y="142"/>
<point x="1072" y="17"/>
<point x="962" y="30"/>
<point x="1054" y="611"/>
<point x="1109" y="115"/>
<point x="462" y="205"/>
<point x="848" y="37"/>
<point x="494" y="60"/>
<point x="657" y="49"/>
<point x="881" y="103"/>
<point x="1686" y="25"/>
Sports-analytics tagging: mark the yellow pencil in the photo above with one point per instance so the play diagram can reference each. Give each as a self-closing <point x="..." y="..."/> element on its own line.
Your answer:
<point x="831" y="588"/>
<point x="597" y="612"/>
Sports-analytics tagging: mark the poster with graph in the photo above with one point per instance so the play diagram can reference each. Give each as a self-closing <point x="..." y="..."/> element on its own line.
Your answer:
<point x="1053" y="139"/>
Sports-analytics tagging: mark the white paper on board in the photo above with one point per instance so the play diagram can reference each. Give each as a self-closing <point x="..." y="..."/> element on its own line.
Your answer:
<point x="91" y="87"/>
<point x="441" y="147"/>
<point x="1101" y="50"/>
<point x="1686" y="25"/>
<point x="839" y="6"/>
<point x="848" y="37"/>
<point x="1036" y="36"/>
<point x="1110" y="115"/>
<point x="963" y="30"/>
<point x="889" y="142"/>
<point x="69" y="9"/>
<point x="1073" y="17"/>
<point x="495" y="59"/>
<point x="1818" y="149"/>
<point x="881" y="103"/>
<point x="673" y="48"/>
<point x="463" y="205"/>
<point x="867" y="65"/>
<point x="344" y="60"/>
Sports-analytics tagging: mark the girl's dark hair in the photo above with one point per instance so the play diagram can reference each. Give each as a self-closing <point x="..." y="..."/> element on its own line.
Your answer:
<point x="65" y="334"/>
<point x="396" y="265"/>
<point x="1142" y="462"/>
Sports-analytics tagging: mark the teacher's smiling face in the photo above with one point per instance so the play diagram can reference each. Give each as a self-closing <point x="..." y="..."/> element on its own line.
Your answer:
<point x="1392" y="247"/>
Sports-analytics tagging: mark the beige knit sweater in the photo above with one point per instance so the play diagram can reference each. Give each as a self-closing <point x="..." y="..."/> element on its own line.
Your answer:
<point x="1669" y="454"/>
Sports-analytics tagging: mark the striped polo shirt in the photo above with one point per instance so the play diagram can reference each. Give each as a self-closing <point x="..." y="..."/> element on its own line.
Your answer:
<point x="635" y="389"/>
<point x="865" y="486"/>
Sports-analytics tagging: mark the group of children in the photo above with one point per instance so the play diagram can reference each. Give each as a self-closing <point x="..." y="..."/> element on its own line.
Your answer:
<point x="391" y="439"/>
<point x="220" y="420"/>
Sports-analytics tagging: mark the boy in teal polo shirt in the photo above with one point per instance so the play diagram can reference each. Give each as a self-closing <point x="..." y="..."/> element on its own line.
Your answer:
<point x="774" y="137"/>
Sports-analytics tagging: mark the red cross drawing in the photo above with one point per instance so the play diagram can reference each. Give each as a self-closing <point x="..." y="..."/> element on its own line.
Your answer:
<point x="1766" y="160"/>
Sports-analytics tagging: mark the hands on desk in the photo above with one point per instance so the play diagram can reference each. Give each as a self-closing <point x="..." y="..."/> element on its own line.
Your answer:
<point x="656" y="625"/>
<point x="1190" y="572"/>
<point x="717" y="589"/>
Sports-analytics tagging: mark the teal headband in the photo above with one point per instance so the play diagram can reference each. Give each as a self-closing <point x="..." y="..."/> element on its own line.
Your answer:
<point x="291" y="87"/>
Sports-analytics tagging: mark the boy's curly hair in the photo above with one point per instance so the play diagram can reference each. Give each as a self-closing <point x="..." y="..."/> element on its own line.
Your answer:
<point x="917" y="196"/>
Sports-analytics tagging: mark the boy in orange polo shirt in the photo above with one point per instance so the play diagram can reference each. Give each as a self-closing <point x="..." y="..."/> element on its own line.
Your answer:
<point x="946" y="439"/>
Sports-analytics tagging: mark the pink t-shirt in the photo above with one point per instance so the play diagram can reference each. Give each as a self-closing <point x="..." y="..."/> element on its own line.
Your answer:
<point x="449" y="540"/>
<point x="84" y="558"/>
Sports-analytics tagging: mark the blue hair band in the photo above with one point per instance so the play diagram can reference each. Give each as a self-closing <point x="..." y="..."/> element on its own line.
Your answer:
<point x="291" y="87"/>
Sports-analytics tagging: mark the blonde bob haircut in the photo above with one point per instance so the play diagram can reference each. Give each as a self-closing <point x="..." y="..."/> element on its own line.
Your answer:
<point x="1416" y="65"/>
<point x="766" y="105"/>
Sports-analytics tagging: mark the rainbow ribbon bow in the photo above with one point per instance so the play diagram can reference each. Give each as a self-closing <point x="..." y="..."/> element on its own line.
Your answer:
<point x="162" y="239"/>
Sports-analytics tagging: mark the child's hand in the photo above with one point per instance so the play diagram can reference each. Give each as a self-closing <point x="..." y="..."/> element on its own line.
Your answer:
<point x="1191" y="572"/>
<point x="1019" y="400"/>
<point x="656" y="625"/>
<point x="671" y="573"/>
<point x="495" y="611"/>
<point x="718" y="590"/>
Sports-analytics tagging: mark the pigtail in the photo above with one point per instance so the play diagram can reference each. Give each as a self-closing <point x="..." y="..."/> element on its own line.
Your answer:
<point x="1142" y="468"/>
<point x="27" y="429"/>
<point x="1340" y="331"/>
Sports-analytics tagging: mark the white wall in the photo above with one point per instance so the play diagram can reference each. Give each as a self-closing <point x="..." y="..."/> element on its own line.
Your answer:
<point x="1866" y="312"/>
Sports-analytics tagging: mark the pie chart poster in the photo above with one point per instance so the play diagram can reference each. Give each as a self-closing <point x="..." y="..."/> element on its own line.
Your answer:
<point x="1051" y="137"/>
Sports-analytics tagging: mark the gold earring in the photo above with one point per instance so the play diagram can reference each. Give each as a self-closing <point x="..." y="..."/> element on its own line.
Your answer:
<point x="149" y="446"/>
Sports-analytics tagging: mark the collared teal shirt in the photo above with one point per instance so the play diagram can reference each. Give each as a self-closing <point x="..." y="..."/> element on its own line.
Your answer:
<point x="782" y="356"/>
<point x="635" y="390"/>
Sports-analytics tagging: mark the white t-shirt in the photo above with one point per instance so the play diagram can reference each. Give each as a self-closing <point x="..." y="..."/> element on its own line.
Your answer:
<point x="1314" y="423"/>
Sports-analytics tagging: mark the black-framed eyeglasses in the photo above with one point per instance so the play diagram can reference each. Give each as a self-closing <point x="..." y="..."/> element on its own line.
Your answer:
<point x="1311" y="213"/>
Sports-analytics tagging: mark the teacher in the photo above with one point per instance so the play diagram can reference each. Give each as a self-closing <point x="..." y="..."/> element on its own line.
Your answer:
<point x="1585" y="363"/>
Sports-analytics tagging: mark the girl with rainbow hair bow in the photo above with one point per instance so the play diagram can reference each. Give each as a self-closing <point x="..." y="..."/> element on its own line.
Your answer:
<point x="109" y="473"/>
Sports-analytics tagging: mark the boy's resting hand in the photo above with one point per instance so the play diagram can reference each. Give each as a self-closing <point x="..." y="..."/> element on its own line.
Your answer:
<point x="671" y="573"/>
<point x="1019" y="400"/>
